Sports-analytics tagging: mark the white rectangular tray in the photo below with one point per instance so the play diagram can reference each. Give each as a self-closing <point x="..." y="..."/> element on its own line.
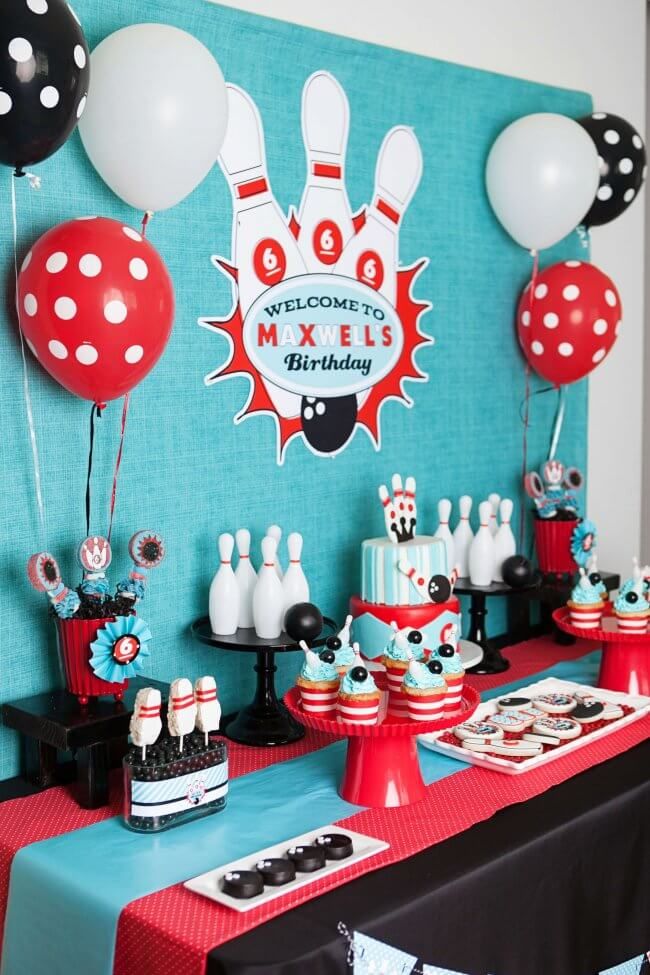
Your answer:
<point x="208" y="885"/>
<point x="551" y="685"/>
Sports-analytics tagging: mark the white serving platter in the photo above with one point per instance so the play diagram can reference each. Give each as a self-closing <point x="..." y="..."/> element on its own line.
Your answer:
<point x="208" y="884"/>
<point x="551" y="685"/>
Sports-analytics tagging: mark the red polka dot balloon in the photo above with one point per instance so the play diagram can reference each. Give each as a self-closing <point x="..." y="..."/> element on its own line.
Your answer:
<point x="96" y="306"/>
<point x="569" y="323"/>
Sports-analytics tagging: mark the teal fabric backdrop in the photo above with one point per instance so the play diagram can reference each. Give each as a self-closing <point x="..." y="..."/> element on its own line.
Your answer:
<point x="188" y="471"/>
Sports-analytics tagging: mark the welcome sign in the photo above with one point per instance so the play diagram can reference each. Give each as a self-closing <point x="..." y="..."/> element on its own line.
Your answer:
<point x="323" y="321"/>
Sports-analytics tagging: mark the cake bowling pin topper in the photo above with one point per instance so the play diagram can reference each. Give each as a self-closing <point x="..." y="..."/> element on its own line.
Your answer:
<point x="325" y="216"/>
<point x="224" y="591"/>
<point x="181" y="711"/>
<point x="44" y="575"/>
<point x="147" y="550"/>
<point x="344" y="632"/>
<point x="146" y="724"/>
<point x="404" y="637"/>
<point x="400" y="509"/>
<point x="95" y="557"/>
<point x="294" y="584"/>
<point x="495" y="501"/>
<point x="443" y="532"/>
<point x="437" y="589"/>
<point x="372" y="255"/>
<point x="208" y="709"/>
<point x="246" y="578"/>
<point x="276" y="532"/>
<point x="481" y="553"/>
<point x="268" y="595"/>
<point x="504" y="540"/>
<point x="463" y="535"/>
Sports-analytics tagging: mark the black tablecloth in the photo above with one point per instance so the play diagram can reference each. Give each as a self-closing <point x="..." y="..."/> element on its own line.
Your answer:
<point x="559" y="885"/>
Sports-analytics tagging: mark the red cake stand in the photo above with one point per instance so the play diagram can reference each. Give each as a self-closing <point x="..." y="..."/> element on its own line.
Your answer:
<point x="382" y="766"/>
<point x="625" y="664"/>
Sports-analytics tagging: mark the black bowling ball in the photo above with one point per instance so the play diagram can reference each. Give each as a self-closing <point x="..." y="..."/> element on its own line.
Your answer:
<point x="327" y="656"/>
<point x="435" y="666"/>
<point x="358" y="674"/>
<point x="303" y="621"/>
<point x="333" y="642"/>
<point x="518" y="572"/>
<point x="446" y="650"/>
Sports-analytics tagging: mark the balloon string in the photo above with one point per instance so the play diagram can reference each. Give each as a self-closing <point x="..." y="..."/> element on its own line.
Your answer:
<point x="558" y="421"/>
<point x="95" y="410"/>
<point x="26" y="388"/>
<point x="118" y="461"/>
<point x="524" y="451"/>
<point x="146" y="217"/>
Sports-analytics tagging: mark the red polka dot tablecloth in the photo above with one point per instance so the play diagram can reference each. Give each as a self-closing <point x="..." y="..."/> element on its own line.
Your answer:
<point x="170" y="932"/>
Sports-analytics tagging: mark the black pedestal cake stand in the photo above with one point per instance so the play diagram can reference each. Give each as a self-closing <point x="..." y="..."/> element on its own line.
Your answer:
<point x="265" y="721"/>
<point x="493" y="662"/>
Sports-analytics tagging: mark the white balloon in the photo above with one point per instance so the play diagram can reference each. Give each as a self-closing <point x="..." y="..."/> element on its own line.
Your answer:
<point x="156" y="114"/>
<point x="541" y="178"/>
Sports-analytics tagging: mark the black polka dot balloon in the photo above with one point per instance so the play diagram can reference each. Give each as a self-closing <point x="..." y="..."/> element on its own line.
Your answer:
<point x="622" y="161"/>
<point x="44" y="73"/>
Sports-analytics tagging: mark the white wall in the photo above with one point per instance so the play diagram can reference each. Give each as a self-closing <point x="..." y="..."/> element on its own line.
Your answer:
<point x="598" y="46"/>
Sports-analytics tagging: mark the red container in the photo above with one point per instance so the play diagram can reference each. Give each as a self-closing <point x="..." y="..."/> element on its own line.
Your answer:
<point x="553" y="544"/>
<point x="74" y="639"/>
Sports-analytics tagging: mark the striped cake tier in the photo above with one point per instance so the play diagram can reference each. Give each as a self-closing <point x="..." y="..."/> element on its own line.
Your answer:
<point x="381" y="580"/>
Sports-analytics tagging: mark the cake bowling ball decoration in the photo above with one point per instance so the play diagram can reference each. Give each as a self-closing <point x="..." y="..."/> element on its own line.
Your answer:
<point x="518" y="572"/>
<point x="303" y="621"/>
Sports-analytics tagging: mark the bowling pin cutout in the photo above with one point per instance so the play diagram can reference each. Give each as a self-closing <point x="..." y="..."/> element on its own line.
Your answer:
<point x="276" y="532"/>
<point x="181" y="710"/>
<point x="268" y="596"/>
<point x="325" y="216"/>
<point x="246" y="578"/>
<point x="372" y="256"/>
<point x="146" y="725"/>
<point x="463" y="535"/>
<point x="224" y="591"/>
<point x="442" y="532"/>
<point x="208" y="709"/>
<point x="294" y="585"/>
<point x="504" y="541"/>
<point x="494" y="500"/>
<point x="263" y="247"/>
<point x="481" y="552"/>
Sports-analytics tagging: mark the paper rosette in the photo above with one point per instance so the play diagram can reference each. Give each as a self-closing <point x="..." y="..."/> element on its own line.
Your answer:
<point x="120" y="650"/>
<point x="583" y="541"/>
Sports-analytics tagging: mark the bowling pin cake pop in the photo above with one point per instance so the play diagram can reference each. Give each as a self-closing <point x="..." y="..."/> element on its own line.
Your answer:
<point x="95" y="557"/>
<point x="181" y="713"/>
<point x="208" y="709"/>
<point x="147" y="551"/>
<point x="44" y="575"/>
<point x="145" y="726"/>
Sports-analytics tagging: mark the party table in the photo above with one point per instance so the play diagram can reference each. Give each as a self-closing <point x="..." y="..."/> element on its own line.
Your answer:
<point x="513" y="875"/>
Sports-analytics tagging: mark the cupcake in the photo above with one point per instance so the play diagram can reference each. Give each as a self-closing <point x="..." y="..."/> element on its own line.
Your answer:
<point x="318" y="681"/>
<point x="631" y="609"/>
<point x="342" y="648"/>
<point x="424" y="688"/>
<point x="585" y="605"/>
<point x="358" y="701"/>
<point x="454" y="675"/>
<point x="404" y="645"/>
<point x="595" y="578"/>
<point x="635" y="577"/>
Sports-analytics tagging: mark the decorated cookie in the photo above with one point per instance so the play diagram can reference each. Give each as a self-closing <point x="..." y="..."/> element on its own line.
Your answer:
<point x="478" y="731"/>
<point x="611" y="712"/>
<point x="555" y="703"/>
<point x="587" y="710"/>
<point x="242" y="884"/>
<point x="513" y="746"/>
<point x="542" y="739"/>
<point x="276" y="871"/>
<point x="514" y="703"/>
<point x="306" y="859"/>
<point x="337" y="846"/>
<point x="563" y="728"/>
<point x="508" y="720"/>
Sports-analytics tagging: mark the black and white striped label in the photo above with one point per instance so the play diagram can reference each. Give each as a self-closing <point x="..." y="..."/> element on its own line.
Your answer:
<point x="149" y="799"/>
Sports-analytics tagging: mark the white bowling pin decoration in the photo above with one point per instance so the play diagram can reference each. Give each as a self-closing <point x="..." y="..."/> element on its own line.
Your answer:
<point x="463" y="535"/>
<point x="372" y="255"/>
<point x="481" y="552"/>
<point x="276" y="532"/>
<point x="504" y="540"/>
<point x="145" y="723"/>
<point x="224" y="591"/>
<point x="208" y="709"/>
<point x="264" y="250"/>
<point x="495" y="500"/>
<point x="181" y="710"/>
<point x="344" y="632"/>
<point x="268" y="595"/>
<point x="324" y="216"/>
<point x="294" y="585"/>
<point x="442" y="532"/>
<point x="246" y="577"/>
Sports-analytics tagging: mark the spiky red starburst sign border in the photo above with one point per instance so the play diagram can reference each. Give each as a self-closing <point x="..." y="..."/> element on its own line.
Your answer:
<point x="390" y="387"/>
